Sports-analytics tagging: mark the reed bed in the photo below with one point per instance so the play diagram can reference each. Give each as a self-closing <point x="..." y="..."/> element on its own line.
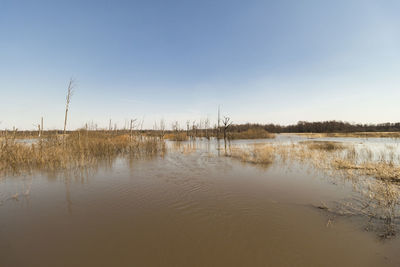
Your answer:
<point x="252" y="133"/>
<point x="80" y="149"/>
<point x="330" y="156"/>
<point x="178" y="136"/>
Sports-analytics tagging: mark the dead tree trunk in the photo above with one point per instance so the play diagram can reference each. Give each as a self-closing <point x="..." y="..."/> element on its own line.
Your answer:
<point x="227" y="123"/>
<point x="69" y="95"/>
<point x="218" y="126"/>
<point x="132" y="126"/>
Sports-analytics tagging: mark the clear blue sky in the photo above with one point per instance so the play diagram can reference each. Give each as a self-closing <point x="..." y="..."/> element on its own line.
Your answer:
<point x="263" y="61"/>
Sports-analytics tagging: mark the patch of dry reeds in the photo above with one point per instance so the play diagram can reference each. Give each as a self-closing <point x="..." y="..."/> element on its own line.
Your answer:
<point x="79" y="149"/>
<point x="252" y="133"/>
<point x="257" y="154"/>
<point x="331" y="156"/>
<point x="177" y="136"/>
<point x="324" y="145"/>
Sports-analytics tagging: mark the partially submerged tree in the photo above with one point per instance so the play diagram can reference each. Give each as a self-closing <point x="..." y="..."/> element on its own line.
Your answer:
<point x="218" y="126"/>
<point x="187" y="127"/>
<point x="206" y="126"/>
<point x="226" y="124"/>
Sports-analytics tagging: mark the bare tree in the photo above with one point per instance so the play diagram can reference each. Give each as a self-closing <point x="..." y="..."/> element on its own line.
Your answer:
<point x="218" y="126"/>
<point x="131" y="128"/>
<point x="141" y="128"/>
<point x="206" y="126"/>
<point x="187" y="127"/>
<point x="162" y="128"/>
<point x="70" y="92"/>
<point x="175" y="126"/>
<point x="227" y="123"/>
<point x="194" y="129"/>
<point x="38" y="127"/>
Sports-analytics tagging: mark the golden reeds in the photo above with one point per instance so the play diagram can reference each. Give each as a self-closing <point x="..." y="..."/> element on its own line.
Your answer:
<point x="177" y="136"/>
<point x="252" y="133"/>
<point x="81" y="149"/>
<point x="331" y="156"/>
<point x="256" y="154"/>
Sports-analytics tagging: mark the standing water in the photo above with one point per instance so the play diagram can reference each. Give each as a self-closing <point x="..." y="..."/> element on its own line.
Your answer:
<point x="192" y="206"/>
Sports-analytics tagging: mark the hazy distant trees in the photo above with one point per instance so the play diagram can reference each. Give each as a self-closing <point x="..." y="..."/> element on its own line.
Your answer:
<point x="319" y="127"/>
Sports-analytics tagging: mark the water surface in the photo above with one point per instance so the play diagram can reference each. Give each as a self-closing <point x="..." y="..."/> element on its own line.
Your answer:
<point x="188" y="208"/>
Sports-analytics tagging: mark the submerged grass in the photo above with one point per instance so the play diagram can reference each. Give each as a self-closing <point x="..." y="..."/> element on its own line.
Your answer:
<point x="264" y="155"/>
<point x="324" y="145"/>
<point x="80" y="149"/>
<point x="381" y="196"/>
<point x="331" y="156"/>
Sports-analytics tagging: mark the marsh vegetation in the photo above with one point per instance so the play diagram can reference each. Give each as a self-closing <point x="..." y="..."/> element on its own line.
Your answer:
<point x="287" y="188"/>
<point x="357" y="164"/>
<point x="76" y="150"/>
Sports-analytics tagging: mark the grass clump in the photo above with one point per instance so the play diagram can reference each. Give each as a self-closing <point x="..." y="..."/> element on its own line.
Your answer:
<point x="256" y="154"/>
<point x="324" y="145"/>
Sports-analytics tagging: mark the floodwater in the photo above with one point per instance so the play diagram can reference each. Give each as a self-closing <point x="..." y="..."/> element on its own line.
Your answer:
<point x="191" y="207"/>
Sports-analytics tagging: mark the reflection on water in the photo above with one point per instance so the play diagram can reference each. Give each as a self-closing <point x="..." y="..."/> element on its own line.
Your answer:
<point x="195" y="207"/>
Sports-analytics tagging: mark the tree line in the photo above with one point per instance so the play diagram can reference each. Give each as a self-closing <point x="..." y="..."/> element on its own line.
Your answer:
<point x="319" y="127"/>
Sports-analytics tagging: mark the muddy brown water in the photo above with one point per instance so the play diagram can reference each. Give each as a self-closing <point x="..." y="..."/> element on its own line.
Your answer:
<point x="189" y="208"/>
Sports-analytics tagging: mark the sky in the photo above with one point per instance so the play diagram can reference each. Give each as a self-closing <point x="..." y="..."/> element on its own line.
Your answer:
<point x="261" y="61"/>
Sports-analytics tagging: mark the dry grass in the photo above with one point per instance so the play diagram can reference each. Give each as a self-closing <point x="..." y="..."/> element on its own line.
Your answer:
<point x="329" y="156"/>
<point x="81" y="149"/>
<point x="178" y="136"/>
<point x="324" y="145"/>
<point x="257" y="154"/>
<point x="251" y="134"/>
